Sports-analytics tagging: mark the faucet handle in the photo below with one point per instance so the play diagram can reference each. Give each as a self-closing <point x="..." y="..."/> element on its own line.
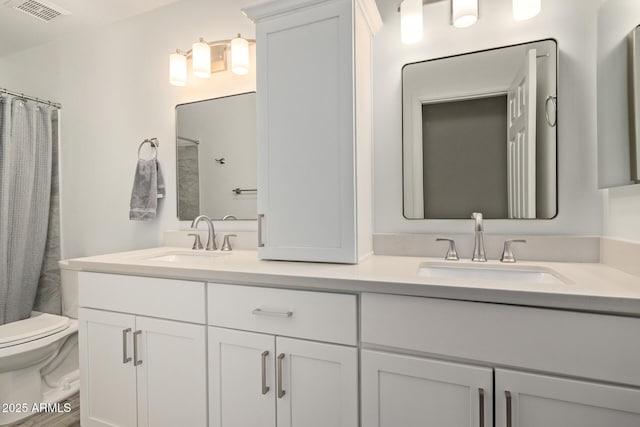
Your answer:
<point x="507" y="254"/>
<point x="226" y="244"/>
<point x="452" y="254"/>
<point x="197" y="243"/>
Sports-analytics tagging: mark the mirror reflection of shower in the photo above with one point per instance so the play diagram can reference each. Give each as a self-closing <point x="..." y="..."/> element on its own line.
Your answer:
<point x="216" y="156"/>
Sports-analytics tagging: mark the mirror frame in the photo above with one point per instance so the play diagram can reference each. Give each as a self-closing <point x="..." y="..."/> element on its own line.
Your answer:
<point x="402" y="122"/>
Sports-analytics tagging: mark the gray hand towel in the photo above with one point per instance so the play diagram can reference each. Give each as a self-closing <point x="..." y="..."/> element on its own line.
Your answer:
<point x="148" y="187"/>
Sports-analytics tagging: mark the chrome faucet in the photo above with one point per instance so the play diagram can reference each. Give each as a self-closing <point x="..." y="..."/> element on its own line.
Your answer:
<point x="478" y="248"/>
<point x="211" y="241"/>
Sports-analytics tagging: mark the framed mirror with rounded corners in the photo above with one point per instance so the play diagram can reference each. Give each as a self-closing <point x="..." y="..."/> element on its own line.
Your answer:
<point x="479" y="134"/>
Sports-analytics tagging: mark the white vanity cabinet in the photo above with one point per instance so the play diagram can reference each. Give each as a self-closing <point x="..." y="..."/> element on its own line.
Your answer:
<point x="314" y="128"/>
<point x="526" y="399"/>
<point x="267" y="379"/>
<point x="508" y="341"/>
<point x="142" y="351"/>
<point x="399" y="390"/>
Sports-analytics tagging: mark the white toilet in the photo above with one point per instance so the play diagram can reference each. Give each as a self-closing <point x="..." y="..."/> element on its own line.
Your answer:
<point x="39" y="356"/>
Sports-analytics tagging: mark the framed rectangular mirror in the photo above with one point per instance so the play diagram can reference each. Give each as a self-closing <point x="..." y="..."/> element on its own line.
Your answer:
<point x="480" y="133"/>
<point x="216" y="158"/>
<point x="618" y="100"/>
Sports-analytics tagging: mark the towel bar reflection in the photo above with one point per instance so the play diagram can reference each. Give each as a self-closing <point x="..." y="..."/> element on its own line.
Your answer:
<point x="238" y="190"/>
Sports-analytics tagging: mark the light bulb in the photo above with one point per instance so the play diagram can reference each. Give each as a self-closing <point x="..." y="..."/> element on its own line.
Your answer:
<point x="239" y="56"/>
<point x="411" y="21"/>
<point x="201" y="55"/>
<point x="177" y="69"/>
<point x="525" y="9"/>
<point x="464" y="13"/>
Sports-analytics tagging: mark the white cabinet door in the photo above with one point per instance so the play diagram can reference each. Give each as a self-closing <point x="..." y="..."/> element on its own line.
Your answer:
<point x="319" y="384"/>
<point x="241" y="379"/>
<point x="171" y="370"/>
<point x="409" y="391"/>
<point x="108" y="380"/>
<point x="529" y="400"/>
<point x="306" y="154"/>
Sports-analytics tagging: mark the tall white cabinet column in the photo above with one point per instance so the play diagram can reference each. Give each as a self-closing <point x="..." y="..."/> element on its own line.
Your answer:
<point x="314" y="128"/>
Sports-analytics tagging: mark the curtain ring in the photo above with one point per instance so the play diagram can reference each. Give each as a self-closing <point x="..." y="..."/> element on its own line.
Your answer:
<point x="555" y="110"/>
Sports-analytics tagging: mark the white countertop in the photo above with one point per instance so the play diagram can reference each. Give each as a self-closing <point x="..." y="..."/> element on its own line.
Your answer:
<point x="591" y="287"/>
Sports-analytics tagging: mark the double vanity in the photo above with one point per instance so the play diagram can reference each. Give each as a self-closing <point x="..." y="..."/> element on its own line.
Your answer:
<point x="171" y="336"/>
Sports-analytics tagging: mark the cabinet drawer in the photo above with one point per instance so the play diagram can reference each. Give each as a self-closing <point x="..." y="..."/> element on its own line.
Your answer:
<point x="313" y="315"/>
<point x="164" y="298"/>
<point x="584" y="345"/>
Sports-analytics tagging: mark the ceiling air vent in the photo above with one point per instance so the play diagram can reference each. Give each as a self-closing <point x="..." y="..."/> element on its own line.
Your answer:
<point x="42" y="10"/>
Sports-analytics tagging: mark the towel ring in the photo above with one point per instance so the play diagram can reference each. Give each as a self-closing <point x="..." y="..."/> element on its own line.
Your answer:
<point x="555" y="110"/>
<point x="154" y="143"/>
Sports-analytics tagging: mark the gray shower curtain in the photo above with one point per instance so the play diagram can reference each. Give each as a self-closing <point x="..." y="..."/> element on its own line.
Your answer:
<point x="25" y="184"/>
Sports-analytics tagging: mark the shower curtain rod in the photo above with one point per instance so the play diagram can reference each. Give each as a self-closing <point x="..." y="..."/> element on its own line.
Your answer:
<point x="32" y="98"/>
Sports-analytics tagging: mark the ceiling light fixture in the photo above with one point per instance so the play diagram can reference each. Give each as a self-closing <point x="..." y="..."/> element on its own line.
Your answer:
<point x="210" y="57"/>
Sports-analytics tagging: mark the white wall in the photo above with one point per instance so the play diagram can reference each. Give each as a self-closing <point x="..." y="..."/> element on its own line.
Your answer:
<point x="113" y="84"/>
<point x="572" y="23"/>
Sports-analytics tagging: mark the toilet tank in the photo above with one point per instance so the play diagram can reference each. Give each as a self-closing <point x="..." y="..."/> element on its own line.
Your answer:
<point x="69" y="290"/>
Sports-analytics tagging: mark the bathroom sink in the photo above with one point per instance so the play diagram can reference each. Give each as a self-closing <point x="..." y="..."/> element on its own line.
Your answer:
<point x="496" y="273"/>
<point x="195" y="257"/>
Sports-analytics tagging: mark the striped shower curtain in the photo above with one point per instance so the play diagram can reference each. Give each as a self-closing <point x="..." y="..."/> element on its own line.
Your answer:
<point x="25" y="185"/>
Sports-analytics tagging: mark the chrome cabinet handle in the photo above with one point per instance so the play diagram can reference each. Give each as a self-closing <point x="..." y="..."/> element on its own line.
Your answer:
<point x="509" y="415"/>
<point x="281" y="392"/>
<point x="261" y="312"/>
<point x="260" y="242"/>
<point x="263" y="358"/>
<point x="481" y="395"/>
<point x="125" y="357"/>
<point x="136" y="361"/>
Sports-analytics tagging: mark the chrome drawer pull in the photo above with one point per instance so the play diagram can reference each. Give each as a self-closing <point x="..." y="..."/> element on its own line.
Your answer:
<point x="136" y="361"/>
<point x="281" y="392"/>
<point x="481" y="393"/>
<point x="125" y="357"/>
<point x="260" y="242"/>
<point x="509" y="414"/>
<point x="263" y="357"/>
<point x="261" y="312"/>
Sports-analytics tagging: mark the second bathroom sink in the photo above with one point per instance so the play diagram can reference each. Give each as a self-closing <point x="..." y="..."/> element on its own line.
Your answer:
<point x="529" y="274"/>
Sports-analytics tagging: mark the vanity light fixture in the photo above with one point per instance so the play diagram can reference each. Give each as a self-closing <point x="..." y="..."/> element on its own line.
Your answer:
<point x="525" y="9"/>
<point x="411" y="21"/>
<point x="464" y="13"/>
<point x="210" y="57"/>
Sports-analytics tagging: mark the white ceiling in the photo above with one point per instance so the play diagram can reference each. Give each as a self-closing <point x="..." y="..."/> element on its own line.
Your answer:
<point x="19" y="31"/>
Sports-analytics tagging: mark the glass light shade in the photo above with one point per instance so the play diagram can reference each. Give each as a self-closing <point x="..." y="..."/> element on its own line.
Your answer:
<point x="411" y="22"/>
<point x="239" y="56"/>
<point x="464" y="13"/>
<point x="525" y="9"/>
<point x="177" y="69"/>
<point x="201" y="56"/>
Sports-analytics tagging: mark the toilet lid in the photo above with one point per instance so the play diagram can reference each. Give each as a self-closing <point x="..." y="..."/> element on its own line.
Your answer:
<point x="37" y="326"/>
